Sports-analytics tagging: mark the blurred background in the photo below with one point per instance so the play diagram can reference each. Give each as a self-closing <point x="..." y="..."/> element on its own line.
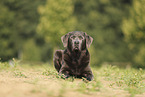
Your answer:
<point x="30" y="30"/>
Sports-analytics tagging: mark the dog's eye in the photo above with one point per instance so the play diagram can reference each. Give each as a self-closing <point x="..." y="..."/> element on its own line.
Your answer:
<point x="80" y="37"/>
<point x="73" y="37"/>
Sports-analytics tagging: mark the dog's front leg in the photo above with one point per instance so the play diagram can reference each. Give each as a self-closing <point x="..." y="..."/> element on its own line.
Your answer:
<point x="89" y="76"/>
<point x="88" y="73"/>
<point x="64" y="72"/>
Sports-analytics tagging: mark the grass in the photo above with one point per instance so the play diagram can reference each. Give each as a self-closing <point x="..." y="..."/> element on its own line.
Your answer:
<point x="43" y="80"/>
<point x="131" y="80"/>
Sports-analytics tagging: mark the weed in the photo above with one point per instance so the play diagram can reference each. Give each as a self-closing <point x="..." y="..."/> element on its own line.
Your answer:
<point x="89" y="87"/>
<point x="134" y="82"/>
<point x="112" y="84"/>
<point x="4" y="66"/>
<point x="129" y="79"/>
<point x="71" y="79"/>
<point x="19" y="74"/>
<point x="49" y="73"/>
<point x="119" y="83"/>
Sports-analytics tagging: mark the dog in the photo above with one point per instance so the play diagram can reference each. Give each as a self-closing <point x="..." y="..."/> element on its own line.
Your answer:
<point x="75" y="59"/>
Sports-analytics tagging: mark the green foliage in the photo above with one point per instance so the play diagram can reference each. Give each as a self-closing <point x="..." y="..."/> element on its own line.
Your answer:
<point x="102" y="20"/>
<point x="133" y="29"/>
<point x="18" y="22"/>
<point x="31" y="52"/>
<point x="94" y="17"/>
<point x="133" y="26"/>
<point x="32" y="31"/>
<point x="7" y="33"/>
<point x="56" y="19"/>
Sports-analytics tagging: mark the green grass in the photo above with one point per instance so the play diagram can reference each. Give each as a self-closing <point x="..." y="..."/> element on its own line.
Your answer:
<point x="131" y="80"/>
<point x="108" y="81"/>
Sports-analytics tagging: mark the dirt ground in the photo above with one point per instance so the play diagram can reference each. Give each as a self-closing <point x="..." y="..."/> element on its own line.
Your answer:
<point x="31" y="82"/>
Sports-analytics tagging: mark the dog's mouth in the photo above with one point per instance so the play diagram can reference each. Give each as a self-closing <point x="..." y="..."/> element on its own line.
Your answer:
<point x="76" y="48"/>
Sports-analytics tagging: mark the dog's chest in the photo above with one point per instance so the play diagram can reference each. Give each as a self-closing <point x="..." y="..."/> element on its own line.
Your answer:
<point x="76" y="67"/>
<point x="76" y="62"/>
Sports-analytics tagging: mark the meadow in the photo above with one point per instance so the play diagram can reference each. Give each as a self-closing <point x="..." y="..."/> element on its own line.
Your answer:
<point x="42" y="80"/>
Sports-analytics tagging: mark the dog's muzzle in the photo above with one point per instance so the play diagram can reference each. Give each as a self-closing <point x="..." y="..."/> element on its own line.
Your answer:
<point x="76" y="45"/>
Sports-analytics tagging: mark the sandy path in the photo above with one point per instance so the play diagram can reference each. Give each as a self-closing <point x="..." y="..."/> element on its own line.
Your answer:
<point x="37" y="85"/>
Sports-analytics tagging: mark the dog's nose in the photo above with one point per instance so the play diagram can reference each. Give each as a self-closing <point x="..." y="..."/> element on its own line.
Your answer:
<point x="76" y="42"/>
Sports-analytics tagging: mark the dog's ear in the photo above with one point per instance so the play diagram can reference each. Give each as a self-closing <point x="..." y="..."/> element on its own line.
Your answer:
<point x="64" y="40"/>
<point x="89" y="40"/>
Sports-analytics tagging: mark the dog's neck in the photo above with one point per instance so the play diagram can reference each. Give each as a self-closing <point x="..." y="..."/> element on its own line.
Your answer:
<point x="74" y="54"/>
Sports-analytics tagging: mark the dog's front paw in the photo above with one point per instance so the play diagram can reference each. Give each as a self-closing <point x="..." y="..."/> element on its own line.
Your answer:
<point x="89" y="77"/>
<point x="64" y="76"/>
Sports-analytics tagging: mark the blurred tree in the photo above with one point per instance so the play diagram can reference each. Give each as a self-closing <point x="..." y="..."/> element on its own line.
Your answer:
<point x="56" y="20"/>
<point x="26" y="16"/>
<point x="31" y="52"/>
<point x="7" y="33"/>
<point x="102" y="20"/>
<point x="134" y="31"/>
<point x="99" y="18"/>
<point x="18" y="21"/>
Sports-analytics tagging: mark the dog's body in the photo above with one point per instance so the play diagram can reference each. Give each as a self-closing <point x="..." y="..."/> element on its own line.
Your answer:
<point x="75" y="59"/>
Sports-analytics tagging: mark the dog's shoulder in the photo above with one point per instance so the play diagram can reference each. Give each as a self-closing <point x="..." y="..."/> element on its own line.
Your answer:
<point x="85" y="52"/>
<point x="65" y="51"/>
<point x="58" y="53"/>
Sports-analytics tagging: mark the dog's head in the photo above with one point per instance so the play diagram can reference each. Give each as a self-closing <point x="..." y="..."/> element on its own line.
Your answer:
<point x="76" y="40"/>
